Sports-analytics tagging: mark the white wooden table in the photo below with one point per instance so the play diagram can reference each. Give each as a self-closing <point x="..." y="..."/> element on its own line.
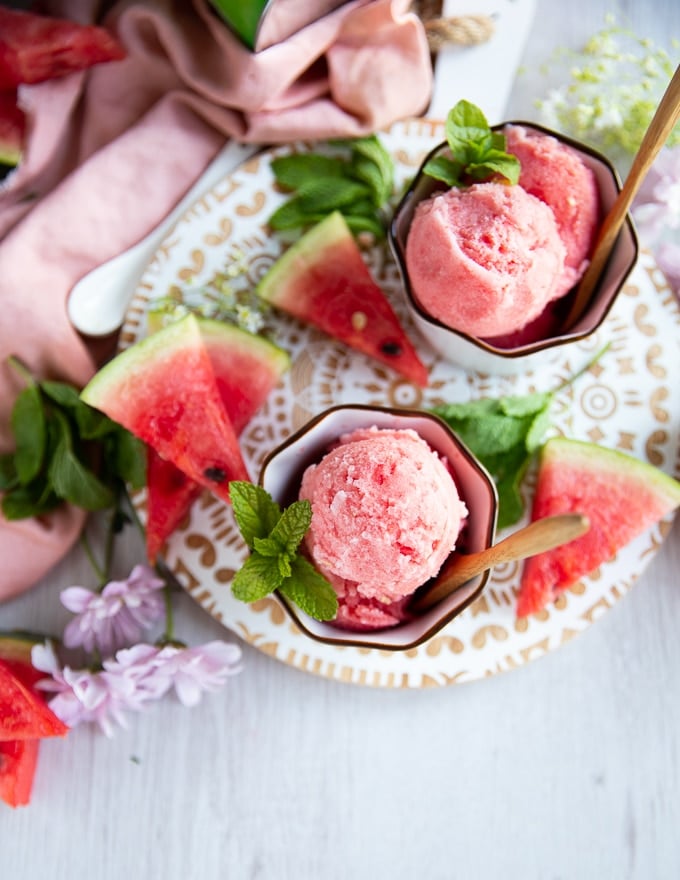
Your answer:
<point x="566" y="768"/>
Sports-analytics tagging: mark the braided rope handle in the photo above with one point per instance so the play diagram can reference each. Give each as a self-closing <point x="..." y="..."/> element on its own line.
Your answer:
<point x="465" y="30"/>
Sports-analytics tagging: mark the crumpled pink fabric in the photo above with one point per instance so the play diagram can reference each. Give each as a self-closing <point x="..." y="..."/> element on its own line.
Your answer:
<point x="113" y="149"/>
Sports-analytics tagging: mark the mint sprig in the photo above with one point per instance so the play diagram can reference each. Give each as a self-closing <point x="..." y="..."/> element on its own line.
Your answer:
<point x="65" y="451"/>
<point x="504" y="433"/>
<point x="275" y="563"/>
<point x="358" y="182"/>
<point x="477" y="153"/>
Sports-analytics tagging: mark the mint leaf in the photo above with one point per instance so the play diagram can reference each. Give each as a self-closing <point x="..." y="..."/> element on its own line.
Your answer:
<point x="255" y="510"/>
<point x="294" y="170"/>
<point x="275" y="562"/>
<point x="357" y="183"/>
<point x="8" y="472"/>
<point x="258" y="577"/>
<point x="292" y="527"/>
<point x="70" y="479"/>
<point x="477" y="153"/>
<point x="504" y="433"/>
<point x="28" y="425"/>
<point x="310" y="591"/>
<point x="323" y="195"/>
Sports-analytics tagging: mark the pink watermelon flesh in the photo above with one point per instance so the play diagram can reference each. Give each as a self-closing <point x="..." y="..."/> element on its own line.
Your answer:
<point x="35" y="48"/>
<point x="246" y="368"/>
<point x="12" y="129"/>
<point x="163" y="390"/>
<point x="621" y="496"/>
<point x="323" y="280"/>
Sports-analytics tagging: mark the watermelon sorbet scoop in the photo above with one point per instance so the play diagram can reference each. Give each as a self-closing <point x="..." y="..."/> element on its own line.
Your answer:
<point x="488" y="259"/>
<point x="385" y="515"/>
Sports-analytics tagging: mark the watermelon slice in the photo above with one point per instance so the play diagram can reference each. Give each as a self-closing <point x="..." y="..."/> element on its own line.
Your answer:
<point x="621" y="496"/>
<point x="322" y="280"/>
<point x="12" y="129"/>
<point x="23" y="714"/>
<point x="246" y="369"/>
<point x="35" y="48"/>
<point x="19" y="757"/>
<point x="163" y="389"/>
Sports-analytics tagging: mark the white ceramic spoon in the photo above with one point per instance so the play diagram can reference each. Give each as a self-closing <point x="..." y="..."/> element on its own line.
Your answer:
<point x="97" y="303"/>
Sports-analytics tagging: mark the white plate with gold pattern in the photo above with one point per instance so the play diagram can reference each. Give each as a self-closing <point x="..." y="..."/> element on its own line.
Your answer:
<point x="628" y="400"/>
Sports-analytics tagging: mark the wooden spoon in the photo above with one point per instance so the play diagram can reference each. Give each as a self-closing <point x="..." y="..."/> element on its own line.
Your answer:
<point x="543" y="534"/>
<point x="660" y="127"/>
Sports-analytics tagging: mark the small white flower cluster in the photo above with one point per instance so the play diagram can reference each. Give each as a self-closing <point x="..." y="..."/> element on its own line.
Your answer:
<point x="613" y="87"/>
<point x="608" y="92"/>
<point x="131" y="675"/>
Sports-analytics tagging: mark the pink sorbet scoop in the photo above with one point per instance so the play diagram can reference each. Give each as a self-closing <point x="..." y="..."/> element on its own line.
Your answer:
<point x="485" y="260"/>
<point x="385" y="515"/>
<point x="555" y="173"/>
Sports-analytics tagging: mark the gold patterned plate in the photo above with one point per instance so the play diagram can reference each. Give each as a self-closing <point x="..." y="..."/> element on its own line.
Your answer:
<point x="629" y="400"/>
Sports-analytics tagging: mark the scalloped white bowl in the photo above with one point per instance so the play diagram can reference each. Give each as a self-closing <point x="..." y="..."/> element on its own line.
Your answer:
<point x="281" y="475"/>
<point x="473" y="353"/>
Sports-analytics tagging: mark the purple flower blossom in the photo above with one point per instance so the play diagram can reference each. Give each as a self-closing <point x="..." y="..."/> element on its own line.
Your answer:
<point x="118" y="615"/>
<point x="191" y="671"/>
<point x="656" y="211"/>
<point x="134" y="678"/>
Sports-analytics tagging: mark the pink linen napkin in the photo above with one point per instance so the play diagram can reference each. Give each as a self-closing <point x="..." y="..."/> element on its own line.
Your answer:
<point x="113" y="149"/>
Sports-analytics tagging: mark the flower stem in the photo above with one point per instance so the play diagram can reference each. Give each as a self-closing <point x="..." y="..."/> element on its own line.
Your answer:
<point x="99" y="572"/>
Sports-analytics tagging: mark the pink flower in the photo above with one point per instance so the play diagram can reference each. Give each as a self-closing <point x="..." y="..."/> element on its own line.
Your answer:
<point x="191" y="671"/>
<point x="135" y="677"/>
<point x="118" y="615"/>
<point x="81" y="695"/>
<point x="656" y="211"/>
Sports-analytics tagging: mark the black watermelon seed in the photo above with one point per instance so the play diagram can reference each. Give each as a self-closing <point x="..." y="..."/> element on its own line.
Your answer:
<point x="391" y="348"/>
<point x="216" y="474"/>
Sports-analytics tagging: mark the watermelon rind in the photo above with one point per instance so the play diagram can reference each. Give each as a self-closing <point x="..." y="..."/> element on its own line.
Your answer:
<point x="322" y="280"/>
<point x="621" y="495"/>
<point x="163" y="390"/>
<point x="246" y="367"/>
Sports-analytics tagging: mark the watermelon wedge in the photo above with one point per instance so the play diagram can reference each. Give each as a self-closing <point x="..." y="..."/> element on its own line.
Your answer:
<point x="163" y="389"/>
<point x="26" y="712"/>
<point x="323" y="280"/>
<point x="246" y="369"/>
<point x="23" y="714"/>
<point x="35" y="48"/>
<point x="621" y="496"/>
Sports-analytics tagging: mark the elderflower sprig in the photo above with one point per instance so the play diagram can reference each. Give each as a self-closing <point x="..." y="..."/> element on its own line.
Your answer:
<point x="609" y="91"/>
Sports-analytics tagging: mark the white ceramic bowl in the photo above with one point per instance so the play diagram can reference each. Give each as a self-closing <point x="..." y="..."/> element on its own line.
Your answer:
<point x="281" y="475"/>
<point x="477" y="354"/>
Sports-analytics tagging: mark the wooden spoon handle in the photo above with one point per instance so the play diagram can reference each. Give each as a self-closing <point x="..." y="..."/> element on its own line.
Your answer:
<point x="660" y="127"/>
<point x="538" y="536"/>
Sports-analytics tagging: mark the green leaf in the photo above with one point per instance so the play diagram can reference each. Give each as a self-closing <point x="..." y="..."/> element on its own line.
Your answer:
<point x="292" y="526"/>
<point x="444" y="169"/>
<point x="310" y="591"/>
<point x="477" y="152"/>
<point x="255" y="510"/>
<point x="258" y="577"/>
<point x="292" y="214"/>
<point x="326" y="194"/>
<point x="360" y="223"/>
<point x="8" y="472"/>
<point x="129" y="456"/>
<point x="70" y="478"/>
<point x="28" y="425"/>
<point x="24" y="502"/>
<point x="525" y="404"/>
<point x="295" y="170"/>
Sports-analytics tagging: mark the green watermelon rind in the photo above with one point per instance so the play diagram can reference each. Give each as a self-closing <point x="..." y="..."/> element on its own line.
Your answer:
<point x="560" y="450"/>
<point x="300" y="283"/>
<point x="124" y="389"/>
<point x="223" y="341"/>
<point x="624" y="481"/>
